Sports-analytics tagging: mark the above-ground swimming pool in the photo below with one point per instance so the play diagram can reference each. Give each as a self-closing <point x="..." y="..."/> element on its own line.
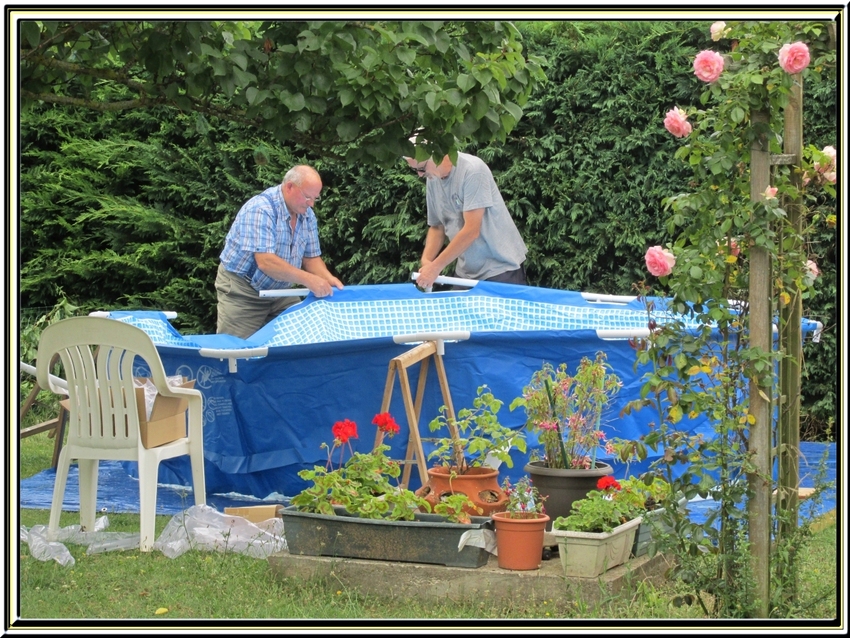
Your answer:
<point x="270" y="401"/>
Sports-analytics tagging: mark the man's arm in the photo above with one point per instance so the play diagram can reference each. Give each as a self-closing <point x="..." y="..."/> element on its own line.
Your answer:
<point x="431" y="269"/>
<point x="280" y="269"/>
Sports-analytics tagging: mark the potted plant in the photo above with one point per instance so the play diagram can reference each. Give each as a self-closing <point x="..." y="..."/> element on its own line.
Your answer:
<point x="358" y="510"/>
<point x="474" y="436"/>
<point x="600" y="531"/>
<point x="520" y="528"/>
<point x="650" y="495"/>
<point x="566" y="413"/>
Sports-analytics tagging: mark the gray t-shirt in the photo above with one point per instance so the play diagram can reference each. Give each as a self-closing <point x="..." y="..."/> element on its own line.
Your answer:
<point x="499" y="248"/>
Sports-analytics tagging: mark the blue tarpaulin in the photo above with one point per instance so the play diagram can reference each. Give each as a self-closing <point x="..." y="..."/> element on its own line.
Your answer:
<point x="118" y="491"/>
<point x="266" y="417"/>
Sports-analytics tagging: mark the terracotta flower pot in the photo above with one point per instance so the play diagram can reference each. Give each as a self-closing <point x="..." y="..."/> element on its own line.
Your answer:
<point x="519" y="541"/>
<point x="480" y="484"/>
<point x="563" y="487"/>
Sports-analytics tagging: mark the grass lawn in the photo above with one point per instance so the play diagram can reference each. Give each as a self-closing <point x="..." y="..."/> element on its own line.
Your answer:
<point x="145" y="588"/>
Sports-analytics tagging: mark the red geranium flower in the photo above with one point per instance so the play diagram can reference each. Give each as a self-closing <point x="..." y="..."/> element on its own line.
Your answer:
<point x="344" y="430"/>
<point x="607" y="482"/>
<point x="386" y="423"/>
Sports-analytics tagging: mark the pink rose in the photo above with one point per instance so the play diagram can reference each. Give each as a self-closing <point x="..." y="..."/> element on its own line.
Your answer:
<point x="708" y="65"/>
<point x="677" y="122"/>
<point x="718" y="31"/>
<point x="794" y="57"/>
<point x="829" y="151"/>
<point x="829" y="176"/>
<point x="770" y="192"/>
<point x="734" y="249"/>
<point x="812" y="267"/>
<point x="659" y="262"/>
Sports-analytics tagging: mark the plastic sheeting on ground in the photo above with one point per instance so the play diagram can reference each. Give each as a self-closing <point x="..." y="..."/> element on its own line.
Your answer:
<point x="200" y="527"/>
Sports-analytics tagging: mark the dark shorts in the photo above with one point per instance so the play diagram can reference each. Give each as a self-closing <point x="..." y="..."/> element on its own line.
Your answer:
<point x="511" y="277"/>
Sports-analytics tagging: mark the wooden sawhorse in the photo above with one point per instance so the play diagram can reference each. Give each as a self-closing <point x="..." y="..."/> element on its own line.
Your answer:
<point x="433" y="346"/>
<point x="55" y="427"/>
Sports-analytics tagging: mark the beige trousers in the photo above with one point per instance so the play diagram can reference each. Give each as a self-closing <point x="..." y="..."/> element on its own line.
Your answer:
<point x="241" y="310"/>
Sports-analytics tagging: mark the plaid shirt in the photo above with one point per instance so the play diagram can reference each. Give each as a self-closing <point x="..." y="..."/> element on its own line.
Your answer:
<point x="262" y="226"/>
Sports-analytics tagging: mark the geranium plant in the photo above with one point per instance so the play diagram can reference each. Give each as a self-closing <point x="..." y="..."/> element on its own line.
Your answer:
<point x="600" y="511"/>
<point x="475" y="435"/>
<point x="524" y="501"/>
<point x="365" y="485"/>
<point x="456" y="507"/>
<point x="642" y="495"/>
<point x="566" y="410"/>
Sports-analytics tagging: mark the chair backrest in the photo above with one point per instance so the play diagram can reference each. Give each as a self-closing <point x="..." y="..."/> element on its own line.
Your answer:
<point x="99" y="358"/>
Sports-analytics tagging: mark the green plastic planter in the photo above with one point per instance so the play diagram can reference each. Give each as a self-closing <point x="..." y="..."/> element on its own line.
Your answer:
<point x="427" y="539"/>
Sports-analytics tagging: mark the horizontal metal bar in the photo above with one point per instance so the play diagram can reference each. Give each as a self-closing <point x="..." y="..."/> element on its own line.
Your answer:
<point x="286" y="292"/>
<point x="453" y="281"/>
<point x="233" y="353"/>
<point x="53" y="378"/>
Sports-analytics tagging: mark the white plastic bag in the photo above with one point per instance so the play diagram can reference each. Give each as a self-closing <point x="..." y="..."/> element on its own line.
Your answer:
<point x="150" y="390"/>
<point x="202" y="527"/>
<point x="44" y="550"/>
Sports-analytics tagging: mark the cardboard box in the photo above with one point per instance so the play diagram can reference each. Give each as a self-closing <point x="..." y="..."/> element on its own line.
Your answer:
<point x="256" y="513"/>
<point x="168" y="417"/>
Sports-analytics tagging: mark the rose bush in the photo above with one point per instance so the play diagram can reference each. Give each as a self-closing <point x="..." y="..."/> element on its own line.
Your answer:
<point x="719" y="372"/>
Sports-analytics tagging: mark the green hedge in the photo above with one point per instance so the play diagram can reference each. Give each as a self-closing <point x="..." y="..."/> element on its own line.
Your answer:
<point x="129" y="210"/>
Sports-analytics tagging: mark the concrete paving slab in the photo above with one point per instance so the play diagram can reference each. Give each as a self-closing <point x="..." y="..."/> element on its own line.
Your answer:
<point x="414" y="581"/>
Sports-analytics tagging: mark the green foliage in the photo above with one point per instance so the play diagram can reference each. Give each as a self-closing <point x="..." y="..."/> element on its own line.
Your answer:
<point x="647" y="494"/>
<point x="567" y="410"/>
<point x="524" y="500"/>
<point x="597" y="513"/>
<point x="123" y="223"/>
<point x="362" y="486"/>
<point x="129" y="210"/>
<point x="354" y="89"/>
<point x="479" y="435"/>
<point x="728" y="234"/>
<point x="455" y="508"/>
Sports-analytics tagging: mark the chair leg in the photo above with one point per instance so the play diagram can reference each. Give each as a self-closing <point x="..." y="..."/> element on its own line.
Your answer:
<point x="62" y="468"/>
<point x="196" y="458"/>
<point x="148" y="476"/>
<point x="88" y="493"/>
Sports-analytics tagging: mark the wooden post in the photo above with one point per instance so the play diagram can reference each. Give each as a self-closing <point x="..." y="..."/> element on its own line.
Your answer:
<point x="761" y="338"/>
<point x="791" y="335"/>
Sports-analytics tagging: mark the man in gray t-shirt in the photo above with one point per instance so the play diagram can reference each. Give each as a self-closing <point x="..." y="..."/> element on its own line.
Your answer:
<point x="465" y="206"/>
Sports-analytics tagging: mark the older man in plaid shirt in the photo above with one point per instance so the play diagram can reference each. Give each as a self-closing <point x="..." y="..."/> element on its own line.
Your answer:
<point x="273" y="243"/>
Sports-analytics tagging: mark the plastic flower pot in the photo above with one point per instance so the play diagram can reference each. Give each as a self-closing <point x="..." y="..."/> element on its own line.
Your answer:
<point x="519" y="541"/>
<point x="563" y="487"/>
<point x="588" y="554"/>
<point x="427" y="539"/>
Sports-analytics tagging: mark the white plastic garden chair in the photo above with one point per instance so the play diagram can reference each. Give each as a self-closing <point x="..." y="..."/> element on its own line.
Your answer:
<point x="98" y="358"/>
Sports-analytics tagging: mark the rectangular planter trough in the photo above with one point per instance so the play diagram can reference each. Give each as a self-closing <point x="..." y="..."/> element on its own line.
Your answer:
<point x="651" y="527"/>
<point x="427" y="539"/>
